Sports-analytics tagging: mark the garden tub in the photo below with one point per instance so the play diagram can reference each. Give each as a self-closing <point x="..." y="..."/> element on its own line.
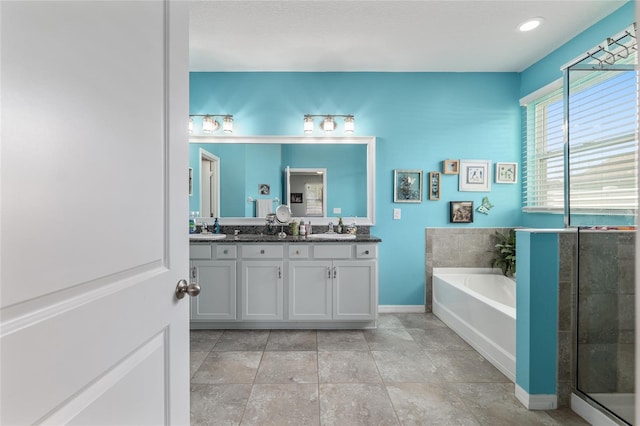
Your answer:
<point x="479" y="304"/>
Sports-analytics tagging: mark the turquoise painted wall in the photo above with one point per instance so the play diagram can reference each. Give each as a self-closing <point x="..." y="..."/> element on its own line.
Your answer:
<point x="537" y="308"/>
<point x="419" y="120"/>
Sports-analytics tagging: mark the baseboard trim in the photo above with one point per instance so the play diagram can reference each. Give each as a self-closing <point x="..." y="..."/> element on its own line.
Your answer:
<point x="536" y="402"/>
<point x="589" y="412"/>
<point x="401" y="309"/>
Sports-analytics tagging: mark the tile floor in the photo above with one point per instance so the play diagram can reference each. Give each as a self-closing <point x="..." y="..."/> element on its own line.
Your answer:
<point x="412" y="370"/>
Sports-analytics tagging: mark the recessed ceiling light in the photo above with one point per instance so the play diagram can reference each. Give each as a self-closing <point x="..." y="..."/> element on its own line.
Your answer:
<point x="530" y="24"/>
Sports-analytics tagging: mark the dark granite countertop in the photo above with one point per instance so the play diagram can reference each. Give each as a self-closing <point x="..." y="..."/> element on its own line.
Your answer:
<point x="260" y="238"/>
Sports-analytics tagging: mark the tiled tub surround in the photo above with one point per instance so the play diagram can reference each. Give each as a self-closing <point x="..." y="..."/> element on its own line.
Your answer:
<point x="457" y="247"/>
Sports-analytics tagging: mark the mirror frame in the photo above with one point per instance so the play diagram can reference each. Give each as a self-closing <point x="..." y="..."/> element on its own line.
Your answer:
<point x="369" y="141"/>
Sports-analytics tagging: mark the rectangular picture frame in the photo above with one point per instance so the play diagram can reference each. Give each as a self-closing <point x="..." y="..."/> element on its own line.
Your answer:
<point x="506" y="172"/>
<point x="434" y="186"/>
<point x="407" y="186"/>
<point x="451" y="167"/>
<point x="461" y="211"/>
<point x="475" y="176"/>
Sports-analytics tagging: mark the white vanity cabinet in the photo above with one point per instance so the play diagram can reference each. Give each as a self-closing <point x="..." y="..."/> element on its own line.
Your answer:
<point x="286" y="285"/>
<point x="262" y="282"/>
<point x="214" y="268"/>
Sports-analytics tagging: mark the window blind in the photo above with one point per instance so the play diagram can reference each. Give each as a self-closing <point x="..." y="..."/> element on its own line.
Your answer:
<point x="603" y="116"/>
<point x="603" y="120"/>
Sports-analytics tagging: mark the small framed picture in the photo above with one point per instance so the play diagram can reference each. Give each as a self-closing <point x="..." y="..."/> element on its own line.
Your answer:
<point x="434" y="186"/>
<point x="475" y="175"/>
<point x="264" y="189"/>
<point x="451" y="167"/>
<point x="407" y="187"/>
<point x="461" y="211"/>
<point x="506" y="172"/>
<point x="296" y="197"/>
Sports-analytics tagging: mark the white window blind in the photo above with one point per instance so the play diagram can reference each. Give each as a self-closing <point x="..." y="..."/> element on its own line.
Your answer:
<point x="543" y="161"/>
<point x="603" y="116"/>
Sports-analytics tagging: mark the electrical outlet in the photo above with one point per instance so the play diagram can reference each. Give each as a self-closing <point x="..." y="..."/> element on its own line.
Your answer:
<point x="397" y="214"/>
<point x="337" y="210"/>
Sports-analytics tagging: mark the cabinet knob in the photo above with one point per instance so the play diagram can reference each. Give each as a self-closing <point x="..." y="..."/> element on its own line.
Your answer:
<point x="261" y="251"/>
<point x="226" y="251"/>
<point x="297" y="251"/>
<point x="366" y="252"/>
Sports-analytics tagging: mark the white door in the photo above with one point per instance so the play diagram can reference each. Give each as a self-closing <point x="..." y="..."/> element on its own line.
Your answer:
<point x="93" y="227"/>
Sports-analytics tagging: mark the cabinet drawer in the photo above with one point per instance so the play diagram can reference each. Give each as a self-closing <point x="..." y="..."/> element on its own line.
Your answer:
<point x="366" y="251"/>
<point x="297" y="251"/>
<point x="332" y="251"/>
<point x="263" y="251"/>
<point x="225" y="251"/>
<point x="199" y="251"/>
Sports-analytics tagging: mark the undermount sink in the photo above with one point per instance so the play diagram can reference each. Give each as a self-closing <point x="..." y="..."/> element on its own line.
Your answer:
<point x="332" y="236"/>
<point x="207" y="236"/>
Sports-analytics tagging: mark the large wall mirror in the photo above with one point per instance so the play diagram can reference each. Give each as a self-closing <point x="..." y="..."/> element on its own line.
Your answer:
<point x="250" y="177"/>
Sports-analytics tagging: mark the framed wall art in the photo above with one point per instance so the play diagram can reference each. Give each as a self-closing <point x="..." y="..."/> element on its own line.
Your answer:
<point x="451" y="167"/>
<point x="475" y="175"/>
<point x="407" y="186"/>
<point x="506" y="172"/>
<point x="461" y="211"/>
<point x="434" y="186"/>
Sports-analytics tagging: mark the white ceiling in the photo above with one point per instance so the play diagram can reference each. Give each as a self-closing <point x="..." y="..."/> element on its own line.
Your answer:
<point x="382" y="35"/>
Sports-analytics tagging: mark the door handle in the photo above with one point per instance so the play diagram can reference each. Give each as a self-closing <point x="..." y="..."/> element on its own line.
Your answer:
<point x="183" y="288"/>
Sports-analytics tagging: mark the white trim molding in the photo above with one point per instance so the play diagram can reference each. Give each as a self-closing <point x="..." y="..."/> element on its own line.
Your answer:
<point x="401" y="309"/>
<point x="536" y="402"/>
<point x="590" y="413"/>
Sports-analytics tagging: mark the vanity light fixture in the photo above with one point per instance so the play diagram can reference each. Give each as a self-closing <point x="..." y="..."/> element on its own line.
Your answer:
<point x="210" y="124"/>
<point x="328" y="123"/>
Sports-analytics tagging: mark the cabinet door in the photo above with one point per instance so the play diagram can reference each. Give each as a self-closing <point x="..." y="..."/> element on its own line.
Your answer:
<point x="354" y="290"/>
<point x="262" y="290"/>
<point x="310" y="290"/>
<point x="217" y="299"/>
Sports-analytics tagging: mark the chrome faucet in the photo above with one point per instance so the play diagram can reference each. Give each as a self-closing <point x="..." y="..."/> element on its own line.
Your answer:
<point x="330" y="227"/>
<point x="203" y="228"/>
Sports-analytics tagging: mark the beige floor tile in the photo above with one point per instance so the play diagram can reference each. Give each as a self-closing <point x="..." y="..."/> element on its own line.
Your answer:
<point x="341" y="340"/>
<point x="409" y="366"/>
<point x="228" y="367"/>
<point x="356" y="404"/>
<point x="438" y="339"/>
<point x="292" y="340"/>
<point x="218" y="405"/>
<point x="279" y="404"/>
<point x="466" y="367"/>
<point x="242" y="340"/>
<point x="288" y="367"/>
<point x="429" y="403"/>
<point x="390" y="339"/>
<point x="347" y="367"/>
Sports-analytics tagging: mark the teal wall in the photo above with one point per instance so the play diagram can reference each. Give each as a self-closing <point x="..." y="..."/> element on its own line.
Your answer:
<point x="537" y="308"/>
<point x="419" y="119"/>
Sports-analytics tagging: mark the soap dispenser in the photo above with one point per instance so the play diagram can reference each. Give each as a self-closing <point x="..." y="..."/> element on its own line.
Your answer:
<point x="216" y="226"/>
<point x="192" y="222"/>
